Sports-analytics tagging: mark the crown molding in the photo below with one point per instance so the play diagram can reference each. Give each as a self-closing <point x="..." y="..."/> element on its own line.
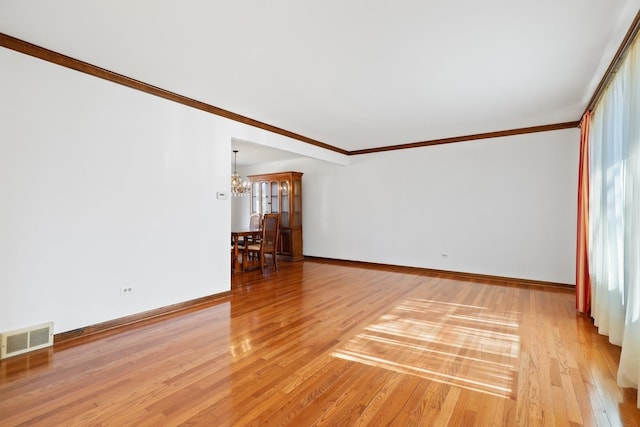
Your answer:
<point x="57" y="58"/>
<point x="39" y="52"/>
<point x="615" y="63"/>
<point x="474" y="137"/>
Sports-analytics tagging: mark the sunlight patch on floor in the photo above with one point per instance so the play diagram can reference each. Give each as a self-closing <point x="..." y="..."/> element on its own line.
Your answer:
<point x="466" y="346"/>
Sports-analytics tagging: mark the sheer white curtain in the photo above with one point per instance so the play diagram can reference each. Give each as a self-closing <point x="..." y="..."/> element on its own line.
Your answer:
<point x="614" y="216"/>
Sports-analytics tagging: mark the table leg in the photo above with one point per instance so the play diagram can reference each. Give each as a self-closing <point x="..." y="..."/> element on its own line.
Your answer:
<point x="237" y="267"/>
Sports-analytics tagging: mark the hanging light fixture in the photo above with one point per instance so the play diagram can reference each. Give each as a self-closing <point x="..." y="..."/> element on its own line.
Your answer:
<point x="238" y="188"/>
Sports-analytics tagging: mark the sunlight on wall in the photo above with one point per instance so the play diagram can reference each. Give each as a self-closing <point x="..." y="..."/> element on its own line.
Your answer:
<point x="465" y="346"/>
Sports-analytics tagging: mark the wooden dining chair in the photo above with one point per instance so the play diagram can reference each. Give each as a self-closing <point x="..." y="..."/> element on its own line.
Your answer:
<point x="255" y="223"/>
<point x="268" y="244"/>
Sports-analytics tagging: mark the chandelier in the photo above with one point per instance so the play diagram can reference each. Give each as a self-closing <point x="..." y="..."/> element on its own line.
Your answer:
<point x="238" y="188"/>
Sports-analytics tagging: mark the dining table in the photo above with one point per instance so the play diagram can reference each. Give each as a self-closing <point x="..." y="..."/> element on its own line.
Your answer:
<point x="236" y="234"/>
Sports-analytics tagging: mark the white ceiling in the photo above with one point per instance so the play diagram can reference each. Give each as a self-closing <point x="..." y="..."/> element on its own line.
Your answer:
<point x="351" y="74"/>
<point x="252" y="154"/>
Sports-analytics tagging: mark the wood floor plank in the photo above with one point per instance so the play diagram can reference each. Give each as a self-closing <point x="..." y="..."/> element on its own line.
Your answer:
<point x="330" y="343"/>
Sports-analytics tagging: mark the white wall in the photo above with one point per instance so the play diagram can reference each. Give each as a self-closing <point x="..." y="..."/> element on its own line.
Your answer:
<point x="102" y="187"/>
<point x="504" y="206"/>
<point x="240" y="208"/>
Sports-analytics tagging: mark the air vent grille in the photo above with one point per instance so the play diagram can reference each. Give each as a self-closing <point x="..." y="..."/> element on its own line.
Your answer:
<point x="24" y="340"/>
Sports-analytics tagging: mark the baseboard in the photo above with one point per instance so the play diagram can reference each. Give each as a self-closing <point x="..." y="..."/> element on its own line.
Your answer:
<point x="117" y="325"/>
<point x="485" y="278"/>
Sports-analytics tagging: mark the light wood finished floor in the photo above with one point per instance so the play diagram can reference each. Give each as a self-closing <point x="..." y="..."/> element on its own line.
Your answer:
<point x="336" y="344"/>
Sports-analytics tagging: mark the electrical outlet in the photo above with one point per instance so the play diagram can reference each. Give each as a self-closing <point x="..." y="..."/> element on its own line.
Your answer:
<point x="444" y="255"/>
<point x="126" y="290"/>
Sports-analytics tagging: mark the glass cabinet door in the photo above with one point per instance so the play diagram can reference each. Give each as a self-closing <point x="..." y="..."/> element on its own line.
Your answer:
<point x="275" y="202"/>
<point x="255" y="198"/>
<point x="264" y="200"/>
<point x="297" y="203"/>
<point x="284" y="194"/>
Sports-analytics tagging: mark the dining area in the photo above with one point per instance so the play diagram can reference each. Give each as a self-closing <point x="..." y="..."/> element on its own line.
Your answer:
<point x="257" y="245"/>
<point x="266" y="221"/>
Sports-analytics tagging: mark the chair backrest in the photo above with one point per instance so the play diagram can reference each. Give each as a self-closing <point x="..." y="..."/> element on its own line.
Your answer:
<point x="255" y="222"/>
<point x="270" y="228"/>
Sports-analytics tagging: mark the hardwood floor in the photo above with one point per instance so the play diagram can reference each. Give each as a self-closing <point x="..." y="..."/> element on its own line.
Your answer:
<point x="337" y="344"/>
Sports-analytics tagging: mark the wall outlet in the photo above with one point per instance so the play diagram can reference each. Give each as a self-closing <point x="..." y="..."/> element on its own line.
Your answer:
<point x="444" y="255"/>
<point x="126" y="290"/>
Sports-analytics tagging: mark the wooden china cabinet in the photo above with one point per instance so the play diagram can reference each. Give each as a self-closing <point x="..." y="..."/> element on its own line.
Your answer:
<point x="281" y="193"/>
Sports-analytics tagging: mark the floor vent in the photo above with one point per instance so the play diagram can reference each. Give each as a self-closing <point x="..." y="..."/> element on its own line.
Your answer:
<point x="24" y="340"/>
